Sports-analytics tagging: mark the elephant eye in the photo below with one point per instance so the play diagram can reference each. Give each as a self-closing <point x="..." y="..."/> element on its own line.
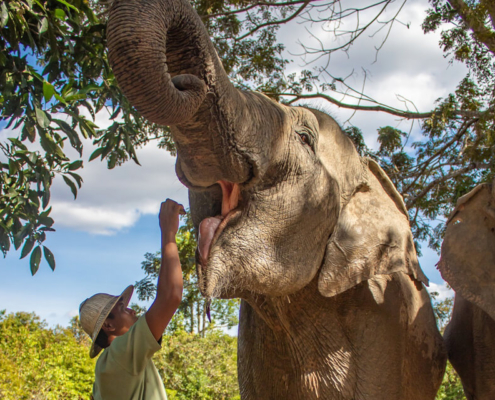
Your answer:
<point x="306" y="138"/>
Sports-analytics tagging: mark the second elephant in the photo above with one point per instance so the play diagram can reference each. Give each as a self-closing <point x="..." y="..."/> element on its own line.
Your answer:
<point x="468" y="265"/>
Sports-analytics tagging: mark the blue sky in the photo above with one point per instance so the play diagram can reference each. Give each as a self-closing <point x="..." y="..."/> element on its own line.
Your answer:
<point x="102" y="236"/>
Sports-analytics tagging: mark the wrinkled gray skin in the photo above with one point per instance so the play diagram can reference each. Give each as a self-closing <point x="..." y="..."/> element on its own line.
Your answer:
<point x="318" y="246"/>
<point x="468" y="265"/>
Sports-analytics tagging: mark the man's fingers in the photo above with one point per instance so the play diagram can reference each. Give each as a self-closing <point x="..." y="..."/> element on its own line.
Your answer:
<point x="173" y="206"/>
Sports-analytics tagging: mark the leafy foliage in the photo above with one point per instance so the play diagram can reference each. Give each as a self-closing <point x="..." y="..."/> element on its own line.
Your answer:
<point x="199" y="368"/>
<point x="54" y="79"/>
<point x="41" y="363"/>
<point x="192" y="312"/>
<point x="451" y="388"/>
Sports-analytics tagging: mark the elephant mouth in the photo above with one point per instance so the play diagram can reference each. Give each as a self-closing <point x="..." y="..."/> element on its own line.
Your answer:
<point x="211" y="228"/>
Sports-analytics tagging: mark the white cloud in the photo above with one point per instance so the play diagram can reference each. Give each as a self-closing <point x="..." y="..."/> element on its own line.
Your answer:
<point x="443" y="291"/>
<point x="410" y="64"/>
<point x="71" y="313"/>
<point x="102" y="221"/>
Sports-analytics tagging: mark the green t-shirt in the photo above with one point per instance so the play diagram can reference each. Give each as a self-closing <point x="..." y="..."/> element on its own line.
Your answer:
<point x="125" y="371"/>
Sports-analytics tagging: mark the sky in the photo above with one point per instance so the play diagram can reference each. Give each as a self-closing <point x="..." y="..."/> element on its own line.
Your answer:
<point x="101" y="237"/>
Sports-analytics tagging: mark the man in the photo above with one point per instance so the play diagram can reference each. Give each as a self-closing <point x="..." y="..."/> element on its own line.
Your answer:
<point x="125" y="371"/>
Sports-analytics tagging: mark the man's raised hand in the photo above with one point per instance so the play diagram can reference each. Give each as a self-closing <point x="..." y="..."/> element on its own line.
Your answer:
<point x="169" y="218"/>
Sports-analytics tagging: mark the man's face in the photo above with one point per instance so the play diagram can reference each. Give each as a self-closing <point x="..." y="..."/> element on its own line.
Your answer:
<point x="120" y="319"/>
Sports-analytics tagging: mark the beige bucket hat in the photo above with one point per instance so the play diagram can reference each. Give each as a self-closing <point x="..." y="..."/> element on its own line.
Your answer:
<point x="94" y="311"/>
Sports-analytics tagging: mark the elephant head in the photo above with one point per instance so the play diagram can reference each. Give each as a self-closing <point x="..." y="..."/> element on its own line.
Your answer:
<point x="467" y="262"/>
<point x="279" y="193"/>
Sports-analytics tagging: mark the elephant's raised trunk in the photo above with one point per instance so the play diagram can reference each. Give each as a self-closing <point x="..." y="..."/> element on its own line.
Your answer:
<point x="166" y="65"/>
<point x="165" y="83"/>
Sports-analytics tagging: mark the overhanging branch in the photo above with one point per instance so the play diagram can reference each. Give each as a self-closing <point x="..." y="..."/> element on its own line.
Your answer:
<point x="381" y="108"/>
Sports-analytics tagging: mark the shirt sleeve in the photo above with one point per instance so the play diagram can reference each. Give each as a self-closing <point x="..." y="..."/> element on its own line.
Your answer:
<point x="134" y="349"/>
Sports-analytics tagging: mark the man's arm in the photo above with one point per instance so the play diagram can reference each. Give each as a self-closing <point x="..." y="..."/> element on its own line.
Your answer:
<point x="170" y="284"/>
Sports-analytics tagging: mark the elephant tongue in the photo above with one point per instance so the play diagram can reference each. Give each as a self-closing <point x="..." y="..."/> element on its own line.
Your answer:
<point x="208" y="227"/>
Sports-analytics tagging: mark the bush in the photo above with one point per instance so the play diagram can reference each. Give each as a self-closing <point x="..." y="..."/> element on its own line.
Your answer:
<point x="41" y="363"/>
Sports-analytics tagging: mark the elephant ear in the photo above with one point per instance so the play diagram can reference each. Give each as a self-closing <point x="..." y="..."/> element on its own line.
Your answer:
<point x="467" y="261"/>
<point x="372" y="237"/>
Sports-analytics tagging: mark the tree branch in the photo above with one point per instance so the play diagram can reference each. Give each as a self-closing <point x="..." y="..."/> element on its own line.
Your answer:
<point x="254" y="5"/>
<point x="278" y="22"/>
<point x="435" y="182"/>
<point x="381" y="108"/>
<point x="425" y="163"/>
<point x="482" y="33"/>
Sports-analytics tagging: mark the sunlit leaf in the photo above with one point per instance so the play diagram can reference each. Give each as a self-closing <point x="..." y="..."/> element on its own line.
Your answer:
<point x="43" y="26"/>
<point x="42" y="118"/>
<point x="60" y="14"/>
<point x="48" y="91"/>
<point x="4" y="15"/>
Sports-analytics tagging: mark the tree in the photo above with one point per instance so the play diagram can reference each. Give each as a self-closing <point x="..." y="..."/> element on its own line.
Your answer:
<point x="54" y="79"/>
<point x="199" y="368"/>
<point x="192" y="312"/>
<point x="38" y="362"/>
<point x="42" y="363"/>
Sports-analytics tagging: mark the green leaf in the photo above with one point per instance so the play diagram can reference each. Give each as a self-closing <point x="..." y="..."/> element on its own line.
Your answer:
<point x="17" y="143"/>
<point x="48" y="91"/>
<point x="43" y="26"/>
<point x="75" y="165"/>
<point x="28" y="131"/>
<point x="91" y="87"/>
<point x="42" y="118"/>
<point x="45" y="199"/>
<point x="28" y="246"/>
<point x="60" y="14"/>
<point x="77" y="178"/>
<point x="13" y="167"/>
<point x="68" y="5"/>
<point x="35" y="260"/>
<point x="96" y="153"/>
<point x="112" y="160"/>
<point x="3" y="61"/>
<point x="73" y="136"/>
<point x="71" y="185"/>
<point x="50" y="259"/>
<point x="60" y="98"/>
<point x="4" y="15"/>
<point x="75" y="97"/>
<point x="49" y="145"/>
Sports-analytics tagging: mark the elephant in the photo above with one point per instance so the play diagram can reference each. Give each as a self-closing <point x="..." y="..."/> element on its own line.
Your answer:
<point x="467" y="263"/>
<point x="313" y="239"/>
